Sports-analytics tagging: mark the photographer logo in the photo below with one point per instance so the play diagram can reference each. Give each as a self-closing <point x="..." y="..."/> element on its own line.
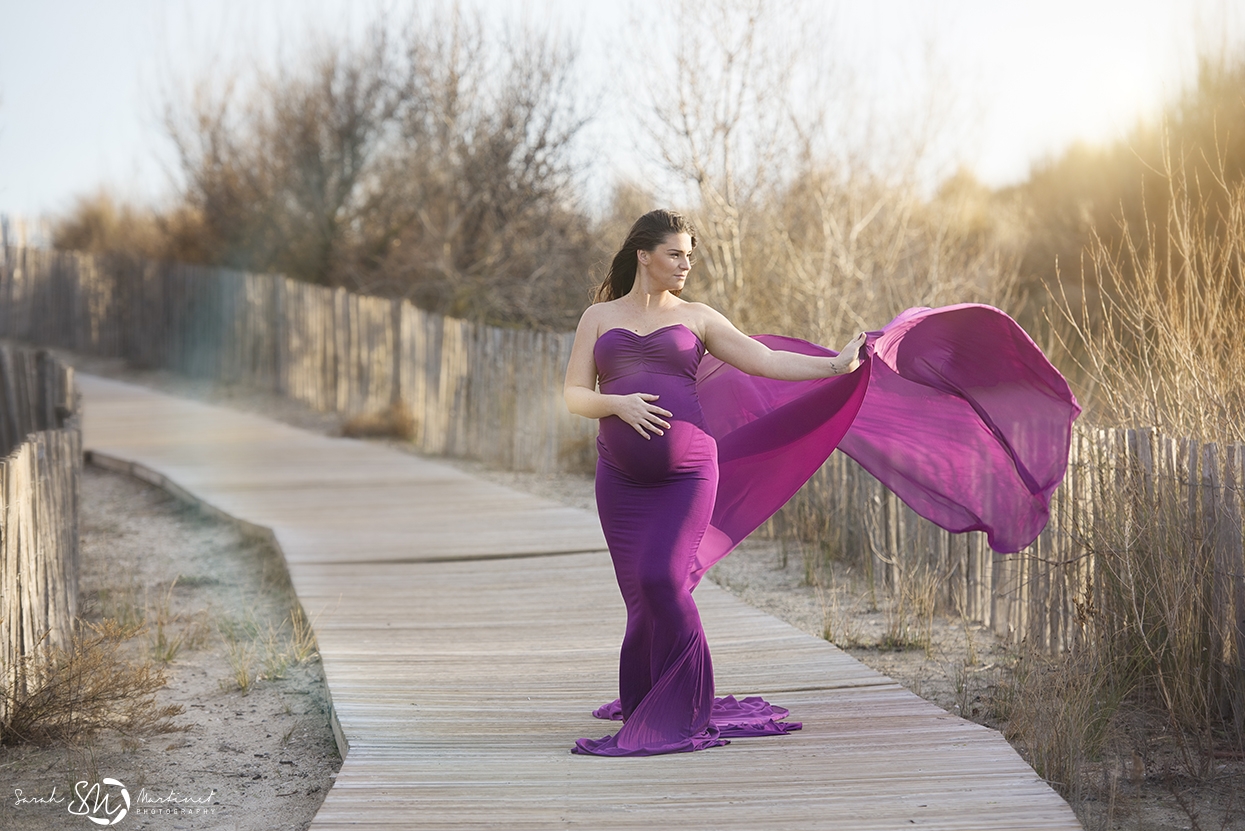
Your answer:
<point x="103" y="803"/>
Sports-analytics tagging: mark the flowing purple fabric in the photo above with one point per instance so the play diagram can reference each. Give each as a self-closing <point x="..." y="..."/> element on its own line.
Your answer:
<point x="955" y="409"/>
<point x="966" y="421"/>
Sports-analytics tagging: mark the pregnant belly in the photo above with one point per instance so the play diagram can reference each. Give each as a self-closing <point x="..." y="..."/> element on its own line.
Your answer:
<point x="685" y="449"/>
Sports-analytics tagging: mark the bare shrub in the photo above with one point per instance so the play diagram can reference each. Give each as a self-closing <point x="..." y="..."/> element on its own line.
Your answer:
<point x="103" y="223"/>
<point x="1156" y="332"/>
<point x="1155" y="335"/>
<point x="276" y="175"/>
<point x="430" y="160"/>
<point x="812" y="208"/>
<point x="68" y="695"/>
<point x="854" y="250"/>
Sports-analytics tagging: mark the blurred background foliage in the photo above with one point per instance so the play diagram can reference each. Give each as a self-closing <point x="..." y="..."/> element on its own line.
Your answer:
<point x="426" y="160"/>
<point x="445" y="160"/>
<point x="1103" y="189"/>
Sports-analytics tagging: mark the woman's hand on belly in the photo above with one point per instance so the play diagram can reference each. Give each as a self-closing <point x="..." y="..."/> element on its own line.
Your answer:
<point x="644" y="416"/>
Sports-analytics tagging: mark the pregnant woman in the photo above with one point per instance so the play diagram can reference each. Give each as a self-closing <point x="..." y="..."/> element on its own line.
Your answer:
<point x="705" y="432"/>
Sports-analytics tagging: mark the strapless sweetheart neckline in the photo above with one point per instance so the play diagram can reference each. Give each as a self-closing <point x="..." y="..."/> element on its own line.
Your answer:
<point x="650" y="334"/>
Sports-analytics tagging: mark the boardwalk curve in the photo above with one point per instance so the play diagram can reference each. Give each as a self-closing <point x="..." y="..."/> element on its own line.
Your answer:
<point x="467" y="631"/>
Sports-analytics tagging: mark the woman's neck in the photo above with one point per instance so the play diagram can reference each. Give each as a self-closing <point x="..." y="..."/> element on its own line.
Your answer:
<point x="646" y="301"/>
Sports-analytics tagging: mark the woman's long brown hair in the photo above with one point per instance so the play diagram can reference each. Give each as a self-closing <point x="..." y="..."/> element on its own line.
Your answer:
<point x="648" y="232"/>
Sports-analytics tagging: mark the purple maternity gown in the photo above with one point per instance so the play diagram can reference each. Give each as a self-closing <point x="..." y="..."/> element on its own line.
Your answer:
<point x="955" y="409"/>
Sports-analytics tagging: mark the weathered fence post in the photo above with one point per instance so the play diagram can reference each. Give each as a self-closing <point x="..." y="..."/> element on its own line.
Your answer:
<point x="39" y="474"/>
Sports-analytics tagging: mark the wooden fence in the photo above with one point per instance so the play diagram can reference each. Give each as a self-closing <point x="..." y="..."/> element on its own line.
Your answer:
<point x="478" y="391"/>
<point x="495" y="394"/>
<point x="41" y="446"/>
<point x="1135" y="510"/>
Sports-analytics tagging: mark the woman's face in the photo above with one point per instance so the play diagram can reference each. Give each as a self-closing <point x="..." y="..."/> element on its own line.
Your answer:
<point x="667" y="264"/>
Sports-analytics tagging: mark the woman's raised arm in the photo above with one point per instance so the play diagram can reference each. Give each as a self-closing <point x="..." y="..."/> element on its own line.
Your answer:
<point x="732" y="346"/>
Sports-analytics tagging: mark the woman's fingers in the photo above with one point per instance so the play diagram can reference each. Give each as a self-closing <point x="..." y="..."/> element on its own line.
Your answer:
<point x="854" y="347"/>
<point x="648" y="397"/>
<point x="654" y="424"/>
<point x="658" y="416"/>
<point x="852" y="355"/>
<point x="644" y="428"/>
<point x="647" y="417"/>
<point x="651" y="409"/>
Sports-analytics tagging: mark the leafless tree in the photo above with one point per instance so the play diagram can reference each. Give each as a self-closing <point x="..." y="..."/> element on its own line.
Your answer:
<point x="809" y="198"/>
<point x="482" y="166"/>
<point x="433" y="163"/>
<point x="710" y="118"/>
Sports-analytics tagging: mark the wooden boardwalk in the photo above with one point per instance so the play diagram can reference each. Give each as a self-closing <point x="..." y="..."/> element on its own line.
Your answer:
<point x="467" y="631"/>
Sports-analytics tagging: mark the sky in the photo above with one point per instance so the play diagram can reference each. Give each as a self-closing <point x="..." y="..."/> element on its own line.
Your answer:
<point x="81" y="80"/>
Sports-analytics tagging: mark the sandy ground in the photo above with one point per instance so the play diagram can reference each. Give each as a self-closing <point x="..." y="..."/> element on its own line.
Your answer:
<point x="959" y="669"/>
<point x="262" y="758"/>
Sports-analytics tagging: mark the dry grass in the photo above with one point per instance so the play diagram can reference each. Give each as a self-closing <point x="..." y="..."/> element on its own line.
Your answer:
<point x="303" y="645"/>
<point x="124" y="604"/>
<point x="172" y="632"/>
<point x="242" y="657"/>
<point x="70" y="695"/>
<point x="1155" y="334"/>
<point x="132" y="606"/>
<point x="397" y="421"/>
<point x="839" y="625"/>
<point x="1059" y="712"/>
<point x="1158" y="629"/>
<point x="1155" y="329"/>
<point x="264" y="651"/>
<point x="910" y="615"/>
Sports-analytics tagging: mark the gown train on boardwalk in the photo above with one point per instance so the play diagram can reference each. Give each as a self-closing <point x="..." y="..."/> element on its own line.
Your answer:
<point x="955" y="409"/>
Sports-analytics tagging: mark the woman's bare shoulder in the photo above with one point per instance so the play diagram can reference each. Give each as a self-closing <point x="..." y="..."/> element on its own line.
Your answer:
<point x="703" y="313"/>
<point x="591" y="318"/>
<point x="591" y="314"/>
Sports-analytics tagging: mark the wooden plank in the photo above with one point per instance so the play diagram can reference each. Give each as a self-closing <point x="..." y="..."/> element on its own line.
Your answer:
<point x="1216" y="556"/>
<point x="1232" y="542"/>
